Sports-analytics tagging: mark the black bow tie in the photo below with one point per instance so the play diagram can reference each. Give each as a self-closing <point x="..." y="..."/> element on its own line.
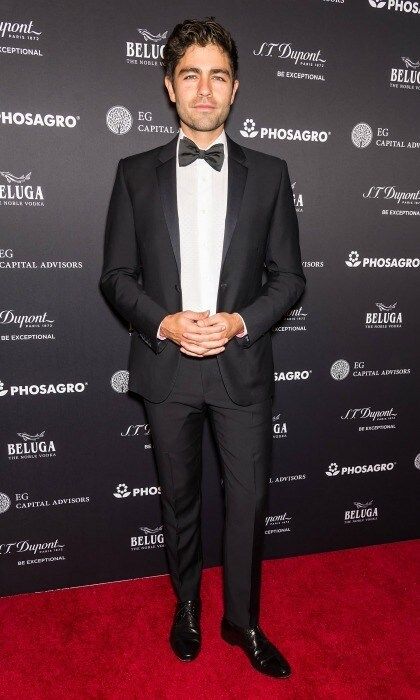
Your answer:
<point x="188" y="152"/>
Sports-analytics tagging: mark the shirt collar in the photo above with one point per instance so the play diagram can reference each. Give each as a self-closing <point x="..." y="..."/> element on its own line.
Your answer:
<point x="219" y="139"/>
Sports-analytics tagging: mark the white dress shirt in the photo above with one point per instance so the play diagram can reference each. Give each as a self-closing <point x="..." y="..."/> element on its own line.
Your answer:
<point x="202" y="201"/>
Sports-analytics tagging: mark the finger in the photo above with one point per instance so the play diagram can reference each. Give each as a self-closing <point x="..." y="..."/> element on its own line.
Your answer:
<point x="215" y="351"/>
<point x="209" y="344"/>
<point x="195" y="314"/>
<point x="220" y="335"/>
<point x="213" y="328"/>
<point x="211" y="320"/>
<point x="202" y="347"/>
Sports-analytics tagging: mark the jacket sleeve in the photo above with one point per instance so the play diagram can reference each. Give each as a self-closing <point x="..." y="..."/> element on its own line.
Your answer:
<point x="121" y="268"/>
<point x="286" y="280"/>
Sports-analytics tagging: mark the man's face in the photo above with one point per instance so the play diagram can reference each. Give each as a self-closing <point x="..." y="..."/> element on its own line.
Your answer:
<point x="202" y="88"/>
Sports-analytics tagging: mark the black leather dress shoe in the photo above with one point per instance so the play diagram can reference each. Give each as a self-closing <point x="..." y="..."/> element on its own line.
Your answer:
<point x="185" y="636"/>
<point x="264" y="656"/>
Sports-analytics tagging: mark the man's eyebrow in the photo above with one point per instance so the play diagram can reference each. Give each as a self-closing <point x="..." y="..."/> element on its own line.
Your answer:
<point x="193" y="69"/>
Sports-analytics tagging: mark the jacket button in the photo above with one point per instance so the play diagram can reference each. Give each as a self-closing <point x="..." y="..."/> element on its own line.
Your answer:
<point x="223" y="285"/>
<point x="178" y="288"/>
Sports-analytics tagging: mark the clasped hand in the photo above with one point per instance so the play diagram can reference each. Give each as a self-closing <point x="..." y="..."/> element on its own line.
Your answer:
<point x="199" y="334"/>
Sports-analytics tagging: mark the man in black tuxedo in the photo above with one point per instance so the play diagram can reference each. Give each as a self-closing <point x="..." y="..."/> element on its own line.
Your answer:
<point x="193" y="228"/>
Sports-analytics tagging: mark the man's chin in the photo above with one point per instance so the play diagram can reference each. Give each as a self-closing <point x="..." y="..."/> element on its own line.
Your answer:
<point x="206" y="122"/>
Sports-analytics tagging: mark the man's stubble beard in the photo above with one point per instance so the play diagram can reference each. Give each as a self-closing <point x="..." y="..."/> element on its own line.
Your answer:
<point x="203" y="122"/>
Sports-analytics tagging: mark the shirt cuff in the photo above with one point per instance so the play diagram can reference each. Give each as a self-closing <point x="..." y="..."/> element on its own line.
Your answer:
<point x="244" y="332"/>
<point x="159" y="334"/>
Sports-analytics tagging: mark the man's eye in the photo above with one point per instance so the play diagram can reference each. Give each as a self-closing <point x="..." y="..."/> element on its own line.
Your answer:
<point x="218" y="77"/>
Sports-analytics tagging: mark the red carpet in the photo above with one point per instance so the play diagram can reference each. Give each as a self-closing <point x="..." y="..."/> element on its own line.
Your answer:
<point x="345" y="620"/>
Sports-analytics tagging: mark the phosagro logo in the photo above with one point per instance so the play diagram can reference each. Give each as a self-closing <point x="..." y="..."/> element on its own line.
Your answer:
<point x="354" y="261"/>
<point x="29" y="119"/>
<point x="122" y="491"/>
<point x="397" y="5"/>
<point x="294" y="375"/>
<point x="250" y="132"/>
<point x="34" y="389"/>
<point x="335" y="470"/>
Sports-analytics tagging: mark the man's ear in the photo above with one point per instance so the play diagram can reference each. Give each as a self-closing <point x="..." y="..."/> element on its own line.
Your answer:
<point x="234" y="90"/>
<point x="169" y="87"/>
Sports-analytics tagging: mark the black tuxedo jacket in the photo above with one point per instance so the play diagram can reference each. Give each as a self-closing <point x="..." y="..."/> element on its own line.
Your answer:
<point x="261" y="274"/>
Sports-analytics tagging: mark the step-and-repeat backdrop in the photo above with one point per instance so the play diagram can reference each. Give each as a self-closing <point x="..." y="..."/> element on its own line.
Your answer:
<point x="333" y="87"/>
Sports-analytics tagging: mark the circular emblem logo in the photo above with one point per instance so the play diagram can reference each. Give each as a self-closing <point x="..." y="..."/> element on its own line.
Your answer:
<point x="417" y="461"/>
<point x="340" y="369"/>
<point x="5" y="502"/>
<point x="119" y="120"/>
<point x="361" y="135"/>
<point x="119" y="381"/>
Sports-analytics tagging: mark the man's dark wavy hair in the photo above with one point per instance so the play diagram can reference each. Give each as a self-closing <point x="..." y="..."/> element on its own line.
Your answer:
<point x="201" y="32"/>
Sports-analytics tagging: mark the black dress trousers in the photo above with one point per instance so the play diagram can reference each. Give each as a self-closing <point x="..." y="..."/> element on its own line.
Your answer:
<point x="243" y="435"/>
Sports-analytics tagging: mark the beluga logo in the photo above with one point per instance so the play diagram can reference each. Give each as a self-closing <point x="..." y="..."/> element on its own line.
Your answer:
<point x="18" y="191"/>
<point x="147" y="51"/>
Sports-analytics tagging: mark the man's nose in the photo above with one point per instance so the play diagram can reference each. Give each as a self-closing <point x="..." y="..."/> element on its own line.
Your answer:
<point x="204" y="87"/>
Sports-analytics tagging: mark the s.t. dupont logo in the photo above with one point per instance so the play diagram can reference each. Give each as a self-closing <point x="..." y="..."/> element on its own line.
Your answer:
<point x="20" y="32"/>
<point x="299" y="64"/>
<point x="392" y="194"/>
